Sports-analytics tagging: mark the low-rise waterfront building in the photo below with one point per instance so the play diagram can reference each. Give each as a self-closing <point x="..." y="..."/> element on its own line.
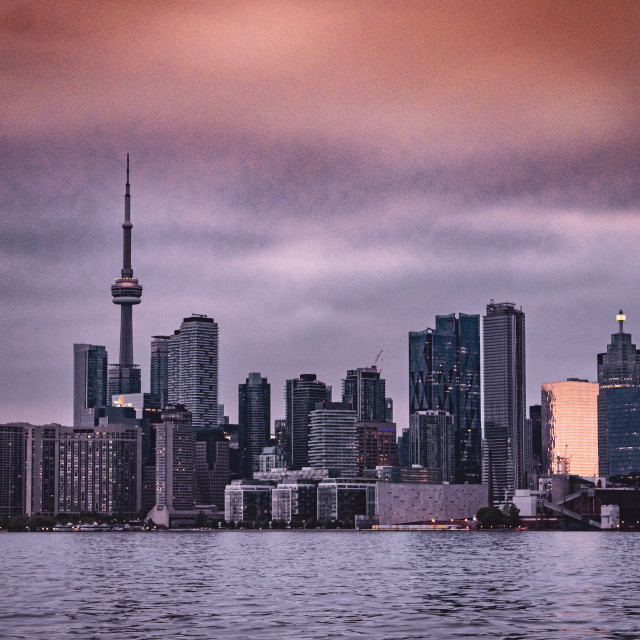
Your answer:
<point x="343" y="499"/>
<point x="245" y="501"/>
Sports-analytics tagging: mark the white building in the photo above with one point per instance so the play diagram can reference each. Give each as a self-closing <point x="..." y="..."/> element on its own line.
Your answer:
<point x="333" y="438"/>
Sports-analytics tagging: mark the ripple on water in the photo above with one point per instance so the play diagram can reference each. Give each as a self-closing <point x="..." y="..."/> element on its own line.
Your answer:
<point x="287" y="584"/>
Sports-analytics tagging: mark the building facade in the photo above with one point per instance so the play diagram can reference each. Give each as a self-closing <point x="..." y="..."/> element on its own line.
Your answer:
<point x="333" y="438"/>
<point x="100" y="469"/>
<point x="569" y="426"/>
<point x="159" y="386"/>
<point x="301" y="396"/>
<point x="376" y="445"/>
<point x="175" y="461"/>
<point x="432" y="444"/>
<point x="444" y="375"/>
<point x="364" y="390"/>
<point x="193" y="369"/>
<point x="618" y="370"/>
<point x="254" y="420"/>
<point x="89" y="378"/>
<point x="506" y="436"/>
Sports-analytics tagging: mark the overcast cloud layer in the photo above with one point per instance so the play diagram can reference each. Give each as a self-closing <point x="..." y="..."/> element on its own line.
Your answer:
<point x="320" y="179"/>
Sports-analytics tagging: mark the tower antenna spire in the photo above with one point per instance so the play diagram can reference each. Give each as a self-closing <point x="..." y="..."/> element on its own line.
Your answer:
<point x="125" y="292"/>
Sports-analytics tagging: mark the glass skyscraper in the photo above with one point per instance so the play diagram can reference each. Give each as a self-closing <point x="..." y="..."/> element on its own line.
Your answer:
<point x="618" y="406"/>
<point x="504" y="368"/>
<point x="444" y="374"/>
<point x="569" y="419"/>
<point x="89" y="379"/>
<point x="364" y="390"/>
<point x="254" y="419"/>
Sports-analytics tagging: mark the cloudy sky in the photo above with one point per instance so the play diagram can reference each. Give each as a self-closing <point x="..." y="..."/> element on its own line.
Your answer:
<point x="320" y="177"/>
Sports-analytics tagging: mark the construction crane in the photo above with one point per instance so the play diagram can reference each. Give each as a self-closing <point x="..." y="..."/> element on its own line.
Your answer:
<point x="375" y="362"/>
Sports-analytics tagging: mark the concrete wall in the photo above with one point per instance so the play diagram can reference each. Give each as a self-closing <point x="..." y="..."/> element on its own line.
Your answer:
<point x="406" y="502"/>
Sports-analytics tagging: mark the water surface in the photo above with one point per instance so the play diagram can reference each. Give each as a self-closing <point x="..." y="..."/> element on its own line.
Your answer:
<point x="320" y="584"/>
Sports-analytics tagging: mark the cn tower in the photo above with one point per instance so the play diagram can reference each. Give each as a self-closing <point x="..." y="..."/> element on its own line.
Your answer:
<point x="126" y="291"/>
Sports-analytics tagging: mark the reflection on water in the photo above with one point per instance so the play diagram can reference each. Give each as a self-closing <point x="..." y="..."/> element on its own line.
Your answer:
<point x="295" y="584"/>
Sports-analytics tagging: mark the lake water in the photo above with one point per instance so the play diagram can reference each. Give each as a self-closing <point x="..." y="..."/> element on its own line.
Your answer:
<point x="320" y="584"/>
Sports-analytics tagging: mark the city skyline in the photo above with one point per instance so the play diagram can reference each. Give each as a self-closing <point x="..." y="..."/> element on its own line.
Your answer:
<point x="321" y="181"/>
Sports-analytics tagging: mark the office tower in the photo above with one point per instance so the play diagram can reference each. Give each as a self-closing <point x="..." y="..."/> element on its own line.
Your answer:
<point x="12" y="469"/>
<point x="333" y="438"/>
<point x="175" y="464"/>
<point x="101" y="463"/>
<point x="444" y="374"/>
<point x="388" y="409"/>
<point x="160" y="369"/>
<point x="505" y="398"/>
<point x="193" y="369"/>
<point x="535" y="417"/>
<point x="569" y="414"/>
<point x="432" y="444"/>
<point x="89" y="378"/>
<point x="254" y="419"/>
<point x="301" y="396"/>
<point x="124" y="377"/>
<point x="376" y="445"/>
<point x="618" y="400"/>
<point x="212" y="466"/>
<point x="364" y="390"/>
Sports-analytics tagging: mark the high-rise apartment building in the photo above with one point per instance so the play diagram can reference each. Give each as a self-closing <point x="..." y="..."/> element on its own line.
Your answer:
<point x="535" y="418"/>
<point x="100" y="469"/>
<point x="193" y="369"/>
<point x="333" y="438"/>
<point x="254" y="419"/>
<point x="301" y="396"/>
<point x="569" y="422"/>
<point x="160" y="369"/>
<point x="12" y="469"/>
<point x="504" y="370"/>
<point x="126" y="291"/>
<point x="618" y="405"/>
<point x="444" y="375"/>
<point x="364" y="390"/>
<point x="175" y="463"/>
<point x="89" y="378"/>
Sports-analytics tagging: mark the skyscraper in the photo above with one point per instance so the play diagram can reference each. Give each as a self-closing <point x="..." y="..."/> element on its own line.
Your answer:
<point x="89" y="378"/>
<point x="160" y="369"/>
<point x="444" y="374"/>
<point x="569" y="424"/>
<point x="301" y="396"/>
<point x="333" y="442"/>
<point x="254" y="419"/>
<point x="505" y="398"/>
<point x="124" y="377"/>
<point x="364" y="390"/>
<point x="175" y="464"/>
<point x="619" y="405"/>
<point x="193" y="369"/>
<point x="432" y="444"/>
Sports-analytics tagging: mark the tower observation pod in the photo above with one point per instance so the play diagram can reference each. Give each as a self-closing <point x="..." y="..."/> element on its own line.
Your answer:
<point x="126" y="291"/>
